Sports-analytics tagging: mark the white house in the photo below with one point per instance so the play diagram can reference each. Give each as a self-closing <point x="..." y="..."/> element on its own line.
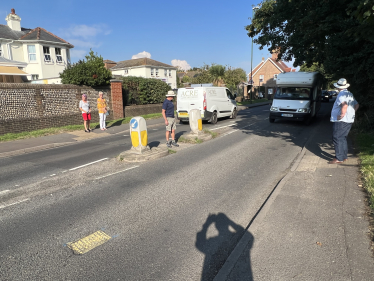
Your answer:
<point x="147" y="68"/>
<point x="42" y="55"/>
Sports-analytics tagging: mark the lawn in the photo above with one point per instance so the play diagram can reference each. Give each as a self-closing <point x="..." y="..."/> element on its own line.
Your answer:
<point x="252" y="101"/>
<point x="70" y="128"/>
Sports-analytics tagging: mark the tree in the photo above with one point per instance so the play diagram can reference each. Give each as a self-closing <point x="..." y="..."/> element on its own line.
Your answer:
<point x="89" y="72"/>
<point x="203" y="76"/>
<point x="233" y="76"/>
<point x="332" y="33"/>
<point x="328" y="80"/>
<point x="186" y="79"/>
<point x="217" y="72"/>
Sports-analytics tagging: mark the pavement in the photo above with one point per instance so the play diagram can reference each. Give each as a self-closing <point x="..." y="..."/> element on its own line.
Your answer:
<point x="314" y="226"/>
<point x="19" y="147"/>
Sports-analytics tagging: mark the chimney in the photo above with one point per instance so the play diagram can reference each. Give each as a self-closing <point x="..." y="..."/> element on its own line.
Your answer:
<point x="13" y="20"/>
<point x="274" y="54"/>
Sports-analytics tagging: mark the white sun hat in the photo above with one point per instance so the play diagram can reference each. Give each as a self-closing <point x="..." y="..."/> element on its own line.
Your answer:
<point x="342" y="84"/>
<point x="170" y="94"/>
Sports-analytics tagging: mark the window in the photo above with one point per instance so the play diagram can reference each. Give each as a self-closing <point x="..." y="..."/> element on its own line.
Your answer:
<point x="261" y="78"/>
<point x="126" y="71"/>
<point x="47" y="55"/>
<point x="156" y="71"/>
<point x="58" y="55"/>
<point x="169" y="73"/>
<point x="165" y="72"/>
<point x="68" y="55"/>
<point x="293" y="93"/>
<point x="34" y="77"/>
<point x="32" y="52"/>
<point x="1" y="51"/>
<point x="229" y="95"/>
<point x="275" y="76"/>
<point x="152" y="71"/>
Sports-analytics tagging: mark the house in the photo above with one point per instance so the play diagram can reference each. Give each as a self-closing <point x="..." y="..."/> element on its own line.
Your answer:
<point x="41" y="55"/>
<point x="146" y="68"/>
<point x="265" y="75"/>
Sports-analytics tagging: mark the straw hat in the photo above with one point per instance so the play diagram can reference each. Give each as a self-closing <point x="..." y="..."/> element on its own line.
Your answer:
<point x="341" y="84"/>
<point x="170" y="94"/>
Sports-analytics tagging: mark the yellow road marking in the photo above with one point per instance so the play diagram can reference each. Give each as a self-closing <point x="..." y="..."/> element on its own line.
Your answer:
<point x="89" y="242"/>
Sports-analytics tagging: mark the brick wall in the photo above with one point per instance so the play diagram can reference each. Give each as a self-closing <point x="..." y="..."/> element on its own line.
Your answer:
<point x="28" y="107"/>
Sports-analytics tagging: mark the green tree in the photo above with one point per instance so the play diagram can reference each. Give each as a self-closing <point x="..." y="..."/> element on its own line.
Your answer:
<point x="89" y="72"/>
<point x="337" y="34"/>
<point x="203" y="76"/>
<point x="186" y="79"/>
<point x="217" y="72"/>
<point x="233" y="76"/>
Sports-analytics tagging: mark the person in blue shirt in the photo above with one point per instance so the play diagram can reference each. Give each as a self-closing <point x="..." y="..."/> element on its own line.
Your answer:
<point x="170" y="122"/>
<point x="342" y="116"/>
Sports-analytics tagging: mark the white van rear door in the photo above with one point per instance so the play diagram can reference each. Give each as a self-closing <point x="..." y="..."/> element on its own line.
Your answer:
<point x="189" y="98"/>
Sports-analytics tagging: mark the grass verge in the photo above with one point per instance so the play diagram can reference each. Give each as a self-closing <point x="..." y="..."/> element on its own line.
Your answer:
<point x="252" y="101"/>
<point x="193" y="141"/>
<point x="171" y="151"/>
<point x="70" y="128"/>
<point x="365" y="142"/>
<point x="213" y="134"/>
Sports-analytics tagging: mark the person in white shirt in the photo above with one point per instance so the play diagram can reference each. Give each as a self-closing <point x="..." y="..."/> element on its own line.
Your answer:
<point x="342" y="116"/>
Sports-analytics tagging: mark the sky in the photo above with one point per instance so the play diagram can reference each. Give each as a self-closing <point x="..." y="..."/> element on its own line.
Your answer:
<point x="185" y="33"/>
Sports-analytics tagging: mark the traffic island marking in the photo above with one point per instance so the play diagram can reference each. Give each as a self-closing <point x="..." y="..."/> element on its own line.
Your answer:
<point x="89" y="242"/>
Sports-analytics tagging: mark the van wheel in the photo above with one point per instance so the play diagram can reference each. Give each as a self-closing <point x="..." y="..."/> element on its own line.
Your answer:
<point x="214" y="118"/>
<point x="234" y="114"/>
<point x="271" y="120"/>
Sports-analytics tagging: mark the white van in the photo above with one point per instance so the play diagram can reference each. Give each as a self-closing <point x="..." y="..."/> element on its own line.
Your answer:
<point x="298" y="96"/>
<point x="213" y="103"/>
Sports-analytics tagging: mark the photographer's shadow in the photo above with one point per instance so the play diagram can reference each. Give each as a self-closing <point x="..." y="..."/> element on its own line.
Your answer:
<point x="218" y="248"/>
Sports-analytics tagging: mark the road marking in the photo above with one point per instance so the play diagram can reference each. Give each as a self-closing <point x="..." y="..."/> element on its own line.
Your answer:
<point x="116" y="172"/>
<point x="126" y="135"/>
<point x="64" y="171"/>
<point x="222" y="127"/>
<point x="88" y="164"/>
<point x="52" y="175"/>
<point x="4" y="206"/>
<point x="237" y="129"/>
<point x="4" y="191"/>
<point x="89" y="242"/>
<point x="266" y="118"/>
<point x="155" y="129"/>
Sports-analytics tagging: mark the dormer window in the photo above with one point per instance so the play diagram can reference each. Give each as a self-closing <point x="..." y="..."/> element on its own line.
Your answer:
<point x="47" y="55"/>
<point x="58" y="55"/>
<point x="32" y="52"/>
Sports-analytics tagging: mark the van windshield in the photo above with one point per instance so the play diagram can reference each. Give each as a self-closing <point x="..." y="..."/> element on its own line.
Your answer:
<point x="293" y="93"/>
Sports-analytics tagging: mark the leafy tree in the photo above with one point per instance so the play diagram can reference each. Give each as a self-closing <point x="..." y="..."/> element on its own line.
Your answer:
<point x="217" y="72"/>
<point x="203" y="76"/>
<point x="186" y="79"/>
<point x="89" y="72"/>
<point x="233" y="76"/>
<point x="328" y="80"/>
<point x="337" y="34"/>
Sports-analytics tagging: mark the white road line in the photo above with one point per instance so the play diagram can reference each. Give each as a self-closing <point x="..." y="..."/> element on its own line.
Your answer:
<point x="52" y="175"/>
<point x="266" y="118"/>
<point x="64" y="171"/>
<point x="154" y="129"/>
<point x="116" y="172"/>
<point x="4" y="191"/>
<point x="4" y="206"/>
<point x="237" y="130"/>
<point x="126" y="135"/>
<point x="222" y="127"/>
<point x="88" y="164"/>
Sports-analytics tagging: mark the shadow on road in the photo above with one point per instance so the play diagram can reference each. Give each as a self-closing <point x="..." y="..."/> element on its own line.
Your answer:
<point x="218" y="248"/>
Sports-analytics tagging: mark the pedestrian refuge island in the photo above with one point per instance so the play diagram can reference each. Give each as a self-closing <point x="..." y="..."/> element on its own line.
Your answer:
<point x="140" y="150"/>
<point x="196" y="124"/>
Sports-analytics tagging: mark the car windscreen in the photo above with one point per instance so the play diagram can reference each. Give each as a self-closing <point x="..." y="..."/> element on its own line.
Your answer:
<point x="293" y="93"/>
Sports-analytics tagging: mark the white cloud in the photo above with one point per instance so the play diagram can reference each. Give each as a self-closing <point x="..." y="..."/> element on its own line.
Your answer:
<point x="78" y="54"/>
<point x="84" y="37"/>
<point x="182" y="64"/>
<point x="143" y="54"/>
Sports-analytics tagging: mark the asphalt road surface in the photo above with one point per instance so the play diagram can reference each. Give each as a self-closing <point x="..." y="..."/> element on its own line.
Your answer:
<point x="174" y="218"/>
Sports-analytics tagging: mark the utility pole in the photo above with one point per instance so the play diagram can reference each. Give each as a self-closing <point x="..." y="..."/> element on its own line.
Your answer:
<point x="251" y="82"/>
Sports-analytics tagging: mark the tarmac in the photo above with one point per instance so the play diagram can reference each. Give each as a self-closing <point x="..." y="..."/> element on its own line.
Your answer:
<point x="314" y="225"/>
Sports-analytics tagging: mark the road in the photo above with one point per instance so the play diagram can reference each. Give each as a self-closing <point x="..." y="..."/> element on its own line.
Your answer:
<point x="174" y="218"/>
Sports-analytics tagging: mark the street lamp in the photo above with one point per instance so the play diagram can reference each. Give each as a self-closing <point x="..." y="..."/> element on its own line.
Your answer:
<point x="253" y="11"/>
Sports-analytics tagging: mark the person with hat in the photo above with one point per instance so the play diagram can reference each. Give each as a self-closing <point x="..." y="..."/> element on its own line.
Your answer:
<point x="342" y="116"/>
<point x="170" y="122"/>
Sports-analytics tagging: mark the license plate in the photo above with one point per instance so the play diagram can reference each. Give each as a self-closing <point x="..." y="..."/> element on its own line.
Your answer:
<point x="184" y="114"/>
<point x="287" y="115"/>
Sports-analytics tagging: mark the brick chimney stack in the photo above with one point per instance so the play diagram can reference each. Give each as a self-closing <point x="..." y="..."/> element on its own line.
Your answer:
<point x="13" y="20"/>
<point x="13" y="11"/>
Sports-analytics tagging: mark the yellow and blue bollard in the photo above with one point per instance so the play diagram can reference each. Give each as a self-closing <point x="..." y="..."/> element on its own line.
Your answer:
<point x="196" y="123"/>
<point x="138" y="133"/>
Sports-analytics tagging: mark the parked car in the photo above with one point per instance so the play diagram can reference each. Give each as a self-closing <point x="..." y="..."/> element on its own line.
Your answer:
<point x="333" y="93"/>
<point x="326" y="96"/>
<point x="213" y="103"/>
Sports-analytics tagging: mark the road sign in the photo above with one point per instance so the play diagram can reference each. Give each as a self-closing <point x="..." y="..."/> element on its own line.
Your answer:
<point x="134" y="124"/>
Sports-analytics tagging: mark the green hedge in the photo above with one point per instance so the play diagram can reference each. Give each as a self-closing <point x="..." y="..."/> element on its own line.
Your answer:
<point x="138" y="90"/>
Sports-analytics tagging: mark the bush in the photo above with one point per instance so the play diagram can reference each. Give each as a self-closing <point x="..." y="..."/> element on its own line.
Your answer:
<point x="138" y="90"/>
<point x="89" y="72"/>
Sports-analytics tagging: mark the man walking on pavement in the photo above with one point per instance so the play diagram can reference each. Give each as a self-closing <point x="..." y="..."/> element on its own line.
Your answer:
<point x="342" y="116"/>
<point x="168" y="114"/>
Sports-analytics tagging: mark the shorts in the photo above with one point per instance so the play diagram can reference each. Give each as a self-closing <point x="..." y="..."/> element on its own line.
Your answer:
<point x="86" y="116"/>
<point x="172" y="124"/>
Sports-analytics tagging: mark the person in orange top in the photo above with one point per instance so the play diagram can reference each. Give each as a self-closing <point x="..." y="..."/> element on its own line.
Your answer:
<point x="102" y="107"/>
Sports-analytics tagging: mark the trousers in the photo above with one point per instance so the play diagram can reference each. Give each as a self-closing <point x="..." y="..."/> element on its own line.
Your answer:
<point x="102" y="120"/>
<point x="340" y="131"/>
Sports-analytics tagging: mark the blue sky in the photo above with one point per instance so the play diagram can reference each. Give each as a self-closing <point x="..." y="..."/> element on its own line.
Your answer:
<point x="185" y="32"/>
